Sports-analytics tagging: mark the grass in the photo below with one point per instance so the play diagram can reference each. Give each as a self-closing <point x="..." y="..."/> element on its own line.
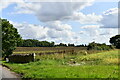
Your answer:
<point x="108" y="57"/>
<point x="52" y="69"/>
<point x="99" y="65"/>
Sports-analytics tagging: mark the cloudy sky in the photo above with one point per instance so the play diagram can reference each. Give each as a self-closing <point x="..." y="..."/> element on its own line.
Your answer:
<point x="67" y="22"/>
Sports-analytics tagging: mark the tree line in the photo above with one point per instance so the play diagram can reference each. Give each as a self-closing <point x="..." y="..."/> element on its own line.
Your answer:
<point x="37" y="43"/>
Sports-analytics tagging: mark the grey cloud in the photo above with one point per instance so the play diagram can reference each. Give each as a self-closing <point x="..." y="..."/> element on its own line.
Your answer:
<point x="58" y="11"/>
<point x="110" y="18"/>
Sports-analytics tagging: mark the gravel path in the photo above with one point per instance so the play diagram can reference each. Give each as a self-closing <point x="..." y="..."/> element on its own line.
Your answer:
<point x="6" y="74"/>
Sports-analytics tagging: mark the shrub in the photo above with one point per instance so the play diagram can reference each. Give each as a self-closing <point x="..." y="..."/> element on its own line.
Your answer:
<point x="98" y="46"/>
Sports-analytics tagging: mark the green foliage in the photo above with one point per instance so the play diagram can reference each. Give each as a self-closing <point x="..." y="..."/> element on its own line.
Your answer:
<point x="71" y="45"/>
<point x="81" y="45"/>
<point x="98" y="46"/>
<point x="10" y="38"/>
<point x="61" y="44"/>
<point x="115" y="40"/>
<point x="36" y="43"/>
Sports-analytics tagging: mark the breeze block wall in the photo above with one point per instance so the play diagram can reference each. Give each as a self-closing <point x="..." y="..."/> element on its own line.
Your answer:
<point x="22" y="58"/>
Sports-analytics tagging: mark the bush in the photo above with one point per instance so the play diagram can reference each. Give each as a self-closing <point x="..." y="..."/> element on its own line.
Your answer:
<point x="98" y="46"/>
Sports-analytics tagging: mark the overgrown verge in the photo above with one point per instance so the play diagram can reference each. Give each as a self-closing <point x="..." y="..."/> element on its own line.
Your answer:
<point x="63" y="66"/>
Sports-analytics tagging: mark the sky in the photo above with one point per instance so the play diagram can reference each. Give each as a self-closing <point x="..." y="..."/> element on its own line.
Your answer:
<point x="63" y="22"/>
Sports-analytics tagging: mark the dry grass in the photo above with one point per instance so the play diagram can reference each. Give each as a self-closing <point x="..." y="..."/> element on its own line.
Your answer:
<point x="112" y="60"/>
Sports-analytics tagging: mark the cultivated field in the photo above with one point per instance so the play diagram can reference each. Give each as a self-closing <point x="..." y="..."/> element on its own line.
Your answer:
<point x="102" y="64"/>
<point x="21" y="50"/>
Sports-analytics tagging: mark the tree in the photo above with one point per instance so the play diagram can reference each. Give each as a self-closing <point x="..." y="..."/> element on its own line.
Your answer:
<point x="62" y="44"/>
<point x="52" y="44"/>
<point x="10" y="38"/>
<point x="91" y="46"/>
<point x="115" y="41"/>
<point x="72" y="45"/>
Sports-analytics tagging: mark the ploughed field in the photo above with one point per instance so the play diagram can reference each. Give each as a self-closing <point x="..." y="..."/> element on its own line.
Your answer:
<point x="79" y="64"/>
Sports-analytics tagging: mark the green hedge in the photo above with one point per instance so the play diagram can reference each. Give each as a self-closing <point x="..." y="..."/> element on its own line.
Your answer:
<point x="21" y="58"/>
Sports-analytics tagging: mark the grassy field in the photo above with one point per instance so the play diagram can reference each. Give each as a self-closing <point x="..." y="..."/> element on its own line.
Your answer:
<point x="78" y="65"/>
